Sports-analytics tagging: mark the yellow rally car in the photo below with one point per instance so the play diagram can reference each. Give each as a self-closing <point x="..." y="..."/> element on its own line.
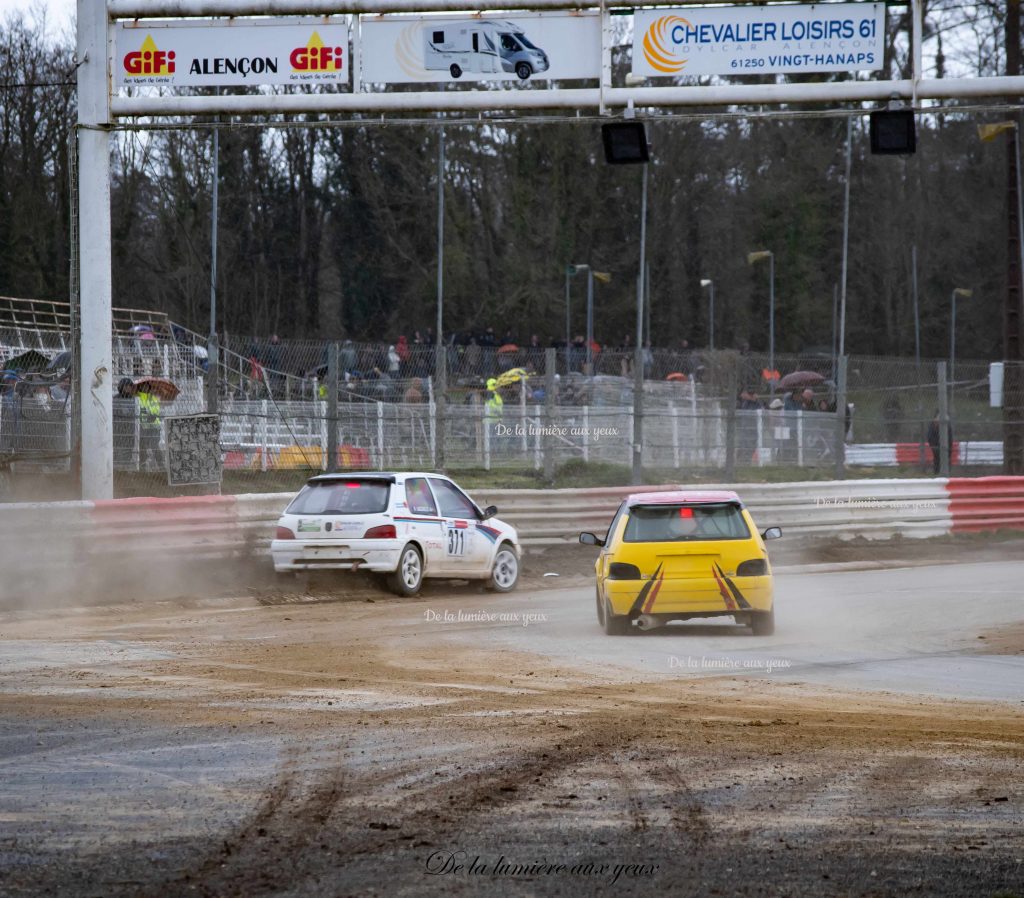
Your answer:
<point x="680" y="555"/>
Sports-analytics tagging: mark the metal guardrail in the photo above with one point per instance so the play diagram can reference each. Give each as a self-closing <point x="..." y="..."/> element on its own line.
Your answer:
<point x="124" y="537"/>
<point x="133" y="532"/>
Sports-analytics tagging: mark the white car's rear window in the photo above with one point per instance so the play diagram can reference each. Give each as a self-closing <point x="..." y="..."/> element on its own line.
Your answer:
<point x="342" y="497"/>
<point x="672" y="523"/>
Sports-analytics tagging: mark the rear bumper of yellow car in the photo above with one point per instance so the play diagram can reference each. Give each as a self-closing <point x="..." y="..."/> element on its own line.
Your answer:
<point x="717" y="593"/>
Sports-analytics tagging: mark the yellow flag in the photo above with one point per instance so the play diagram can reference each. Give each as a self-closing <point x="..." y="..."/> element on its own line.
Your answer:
<point x="991" y="132"/>
<point x="758" y="256"/>
<point x="603" y="276"/>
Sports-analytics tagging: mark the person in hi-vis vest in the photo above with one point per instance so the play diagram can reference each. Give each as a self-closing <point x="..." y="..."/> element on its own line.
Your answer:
<point x="149" y="423"/>
<point x="495" y="405"/>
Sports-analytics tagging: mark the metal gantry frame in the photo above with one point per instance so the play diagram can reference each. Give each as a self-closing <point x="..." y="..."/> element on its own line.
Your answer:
<point x="99" y="110"/>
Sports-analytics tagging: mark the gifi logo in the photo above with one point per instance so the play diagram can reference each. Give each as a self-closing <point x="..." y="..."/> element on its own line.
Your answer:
<point x="658" y="42"/>
<point x="315" y="57"/>
<point x="148" y="60"/>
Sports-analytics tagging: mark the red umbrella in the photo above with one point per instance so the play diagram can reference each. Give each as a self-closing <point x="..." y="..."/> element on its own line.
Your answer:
<point x="158" y="386"/>
<point x="797" y="379"/>
<point x="508" y="347"/>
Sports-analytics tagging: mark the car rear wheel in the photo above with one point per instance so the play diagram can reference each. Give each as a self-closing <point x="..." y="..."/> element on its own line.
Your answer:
<point x="505" y="571"/>
<point x="407" y="578"/>
<point x="762" y="623"/>
<point x="613" y="624"/>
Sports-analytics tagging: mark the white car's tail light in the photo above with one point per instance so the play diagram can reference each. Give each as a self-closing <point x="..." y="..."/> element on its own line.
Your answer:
<point x="283" y="533"/>
<point x="384" y="531"/>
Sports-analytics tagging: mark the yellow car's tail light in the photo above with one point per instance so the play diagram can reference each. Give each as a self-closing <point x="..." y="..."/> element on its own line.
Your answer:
<point x="756" y="567"/>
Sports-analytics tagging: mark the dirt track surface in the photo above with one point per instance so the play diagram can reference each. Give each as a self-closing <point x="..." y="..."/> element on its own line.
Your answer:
<point x="309" y="747"/>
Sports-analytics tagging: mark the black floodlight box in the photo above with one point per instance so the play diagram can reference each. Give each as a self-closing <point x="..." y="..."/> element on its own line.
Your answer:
<point x="625" y="143"/>
<point x="893" y="132"/>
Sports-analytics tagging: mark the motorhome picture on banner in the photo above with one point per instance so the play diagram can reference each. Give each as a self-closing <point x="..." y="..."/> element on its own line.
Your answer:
<point x="518" y="47"/>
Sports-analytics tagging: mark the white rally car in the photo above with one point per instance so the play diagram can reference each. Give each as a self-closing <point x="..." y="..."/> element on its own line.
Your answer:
<point x="409" y="526"/>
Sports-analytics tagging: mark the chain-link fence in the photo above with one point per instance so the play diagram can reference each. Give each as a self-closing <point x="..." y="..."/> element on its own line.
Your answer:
<point x="291" y="408"/>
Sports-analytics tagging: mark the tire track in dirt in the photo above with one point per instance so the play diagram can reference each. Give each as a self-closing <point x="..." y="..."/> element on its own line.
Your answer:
<point x="341" y="810"/>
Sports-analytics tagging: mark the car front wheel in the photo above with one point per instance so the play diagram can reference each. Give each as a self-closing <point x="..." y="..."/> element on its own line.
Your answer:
<point x="524" y="71"/>
<point x="505" y="570"/>
<point x="407" y="578"/>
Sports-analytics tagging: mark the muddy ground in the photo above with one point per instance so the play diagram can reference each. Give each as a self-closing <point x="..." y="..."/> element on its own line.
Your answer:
<point x="283" y="743"/>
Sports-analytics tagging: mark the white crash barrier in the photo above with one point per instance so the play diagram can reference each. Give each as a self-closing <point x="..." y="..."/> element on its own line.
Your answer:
<point x="875" y="509"/>
<point x="46" y="535"/>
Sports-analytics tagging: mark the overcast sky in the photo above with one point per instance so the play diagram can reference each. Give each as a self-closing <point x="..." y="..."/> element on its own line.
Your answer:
<point x="59" y="13"/>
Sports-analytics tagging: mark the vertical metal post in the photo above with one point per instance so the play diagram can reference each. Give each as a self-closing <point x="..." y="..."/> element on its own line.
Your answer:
<point x="432" y="411"/>
<point x="638" y="363"/>
<point x="74" y="299"/>
<point x="799" y="437"/>
<point x="549" y="415"/>
<point x="440" y="238"/>
<point x="585" y="435"/>
<point x="332" y="406"/>
<point x="1013" y="393"/>
<point x="647" y="305"/>
<point x="95" y="381"/>
<point x="674" y="412"/>
<point x="840" y="443"/>
<point x="759" y="449"/>
<point x="264" y="431"/>
<point x="952" y="341"/>
<point x="771" y="315"/>
<point x="730" y="422"/>
<point x="380" y="434"/>
<point x="917" y="308"/>
<point x="538" y="432"/>
<point x="213" y="375"/>
<point x="835" y="324"/>
<point x="945" y="450"/>
<point x="590" y="320"/>
<point x="486" y="432"/>
<point x="1020" y="196"/>
<point x="1013" y="307"/>
<point x="711" y="316"/>
<point x="523" y="422"/>
<point x="568" y="317"/>
<point x="440" y="404"/>
<point x="922" y="427"/>
<point x="846" y="238"/>
<point x="916" y="35"/>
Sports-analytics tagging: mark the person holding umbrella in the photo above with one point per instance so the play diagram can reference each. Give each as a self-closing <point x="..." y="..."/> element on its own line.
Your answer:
<point x="149" y="391"/>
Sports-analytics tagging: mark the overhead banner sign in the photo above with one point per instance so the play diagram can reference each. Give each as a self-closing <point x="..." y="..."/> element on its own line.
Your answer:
<point x="751" y="40"/>
<point x="232" y="52"/>
<point x="523" y="47"/>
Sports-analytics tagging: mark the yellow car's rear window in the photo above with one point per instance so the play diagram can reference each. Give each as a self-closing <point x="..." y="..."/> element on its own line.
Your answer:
<point x="689" y="523"/>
